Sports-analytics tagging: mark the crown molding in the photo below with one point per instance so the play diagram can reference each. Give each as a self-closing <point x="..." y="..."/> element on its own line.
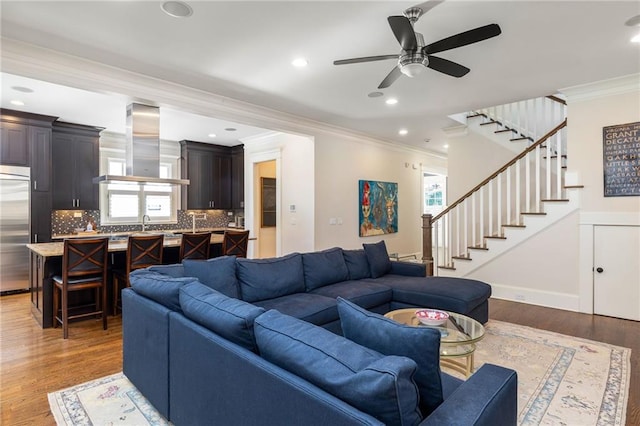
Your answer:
<point x="604" y="88"/>
<point x="49" y="65"/>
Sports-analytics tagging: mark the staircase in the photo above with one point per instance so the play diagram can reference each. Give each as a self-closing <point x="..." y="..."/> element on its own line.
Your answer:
<point x="522" y="198"/>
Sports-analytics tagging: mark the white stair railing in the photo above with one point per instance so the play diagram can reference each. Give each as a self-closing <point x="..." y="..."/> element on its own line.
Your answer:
<point x="518" y="188"/>
<point x="529" y="119"/>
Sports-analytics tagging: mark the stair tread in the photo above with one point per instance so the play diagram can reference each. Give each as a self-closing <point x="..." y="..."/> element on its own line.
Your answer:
<point x="514" y="225"/>
<point x="475" y="115"/>
<point x="478" y="248"/>
<point x="504" y="130"/>
<point x="557" y="200"/>
<point x="495" y="237"/>
<point x="451" y="268"/>
<point x="521" y="138"/>
<point x="534" y="213"/>
<point x="488" y="122"/>
<point x="573" y="186"/>
<point x="461" y="257"/>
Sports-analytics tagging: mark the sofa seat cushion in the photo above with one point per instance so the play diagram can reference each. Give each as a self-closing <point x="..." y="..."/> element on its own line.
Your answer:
<point x="229" y="317"/>
<point x="378" y="258"/>
<point x="218" y="273"/>
<point x="324" y="267"/>
<point x="459" y="295"/>
<point x="367" y="294"/>
<point x="262" y="279"/>
<point x="421" y="344"/>
<point x="379" y="385"/>
<point x="313" y="308"/>
<point x="158" y="287"/>
<point x="357" y="264"/>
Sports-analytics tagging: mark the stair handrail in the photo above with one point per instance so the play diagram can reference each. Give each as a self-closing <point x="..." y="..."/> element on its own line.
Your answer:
<point x="502" y="169"/>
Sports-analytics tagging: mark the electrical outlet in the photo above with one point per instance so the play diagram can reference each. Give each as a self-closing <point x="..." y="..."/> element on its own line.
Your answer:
<point x="520" y="297"/>
<point x="77" y="214"/>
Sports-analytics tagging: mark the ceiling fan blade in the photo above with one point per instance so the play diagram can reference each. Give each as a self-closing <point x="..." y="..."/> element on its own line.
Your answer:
<point x="463" y="39"/>
<point x="403" y="30"/>
<point x="364" y="59"/>
<point x="447" y="67"/>
<point x="390" y="78"/>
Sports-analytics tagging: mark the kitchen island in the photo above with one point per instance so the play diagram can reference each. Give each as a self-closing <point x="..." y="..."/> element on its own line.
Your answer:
<point x="45" y="261"/>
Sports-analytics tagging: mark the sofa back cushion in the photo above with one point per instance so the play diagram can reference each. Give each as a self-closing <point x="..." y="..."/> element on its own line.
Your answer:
<point x="421" y="344"/>
<point x="381" y="386"/>
<point x="357" y="264"/>
<point x="378" y="258"/>
<point x="262" y="279"/>
<point x="158" y="287"/>
<point x="323" y="268"/>
<point x="226" y="316"/>
<point x="218" y="273"/>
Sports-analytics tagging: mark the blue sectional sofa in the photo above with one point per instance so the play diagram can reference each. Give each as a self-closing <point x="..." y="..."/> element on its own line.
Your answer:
<point x="259" y="342"/>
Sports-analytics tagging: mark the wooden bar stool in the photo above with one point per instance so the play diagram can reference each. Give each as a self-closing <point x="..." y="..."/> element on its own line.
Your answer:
<point x="195" y="246"/>
<point x="142" y="251"/>
<point x="234" y="243"/>
<point x="84" y="267"/>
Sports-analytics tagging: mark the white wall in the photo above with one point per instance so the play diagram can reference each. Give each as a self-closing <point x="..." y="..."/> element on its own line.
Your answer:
<point x="341" y="162"/>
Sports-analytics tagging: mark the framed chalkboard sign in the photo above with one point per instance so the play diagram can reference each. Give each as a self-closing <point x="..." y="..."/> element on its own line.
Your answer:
<point x="268" y="202"/>
<point x="621" y="155"/>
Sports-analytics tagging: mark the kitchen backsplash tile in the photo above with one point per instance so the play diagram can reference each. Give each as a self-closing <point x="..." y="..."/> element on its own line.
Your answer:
<point x="63" y="222"/>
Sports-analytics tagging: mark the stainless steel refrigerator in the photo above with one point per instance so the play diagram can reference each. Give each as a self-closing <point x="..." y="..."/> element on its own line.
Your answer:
<point x="14" y="228"/>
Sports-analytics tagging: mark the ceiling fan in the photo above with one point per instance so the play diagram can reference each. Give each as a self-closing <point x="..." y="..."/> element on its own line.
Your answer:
<point x="415" y="55"/>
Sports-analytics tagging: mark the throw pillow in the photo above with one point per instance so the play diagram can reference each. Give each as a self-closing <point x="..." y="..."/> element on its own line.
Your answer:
<point x="378" y="385"/>
<point x="218" y="273"/>
<point x="161" y="288"/>
<point x="229" y="317"/>
<point x="323" y="268"/>
<point x="262" y="279"/>
<point x="379" y="262"/>
<point x="357" y="264"/>
<point x="421" y="344"/>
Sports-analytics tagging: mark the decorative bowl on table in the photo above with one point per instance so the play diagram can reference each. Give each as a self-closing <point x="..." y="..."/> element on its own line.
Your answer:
<point x="432" y="317"/>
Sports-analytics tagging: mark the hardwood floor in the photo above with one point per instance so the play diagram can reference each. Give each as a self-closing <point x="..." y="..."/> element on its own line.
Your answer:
<point x="34" y="362"/>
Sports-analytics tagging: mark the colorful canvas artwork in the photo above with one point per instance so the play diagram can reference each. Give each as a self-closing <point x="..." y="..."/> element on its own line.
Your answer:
<point x="378" y="207"/>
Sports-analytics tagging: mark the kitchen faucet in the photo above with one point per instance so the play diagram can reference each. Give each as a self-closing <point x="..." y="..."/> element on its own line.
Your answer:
<point x="194" y="216"/>
<point x="145" y="219"/>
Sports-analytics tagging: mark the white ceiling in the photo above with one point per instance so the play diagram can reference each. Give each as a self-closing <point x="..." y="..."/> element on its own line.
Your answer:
<point x="244" y="50"/>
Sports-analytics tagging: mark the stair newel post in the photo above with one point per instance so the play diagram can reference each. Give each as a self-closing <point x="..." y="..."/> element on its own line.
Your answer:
<point x="427" y="243"/>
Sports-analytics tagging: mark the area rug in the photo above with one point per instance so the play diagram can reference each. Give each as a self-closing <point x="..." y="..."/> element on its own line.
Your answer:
<point x="562" y="380"/>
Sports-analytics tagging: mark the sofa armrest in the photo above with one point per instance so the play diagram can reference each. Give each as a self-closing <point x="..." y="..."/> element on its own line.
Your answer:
<point x="488" y="397"/>
<point x="409" y="269"/>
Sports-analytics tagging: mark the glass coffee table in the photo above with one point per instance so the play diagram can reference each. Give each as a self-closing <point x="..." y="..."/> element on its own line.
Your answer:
<point x="458" y="337"/>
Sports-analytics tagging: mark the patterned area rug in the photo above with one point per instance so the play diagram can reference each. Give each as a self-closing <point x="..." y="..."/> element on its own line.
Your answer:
<point x="562" y="380"/>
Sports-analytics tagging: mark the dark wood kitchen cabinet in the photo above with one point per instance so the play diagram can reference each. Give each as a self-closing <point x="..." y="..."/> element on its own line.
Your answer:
<point x="28" y="136"/>
<point x="208" y="167"/>
<point x="76" y="161"/>
<point x="237" y="177"/>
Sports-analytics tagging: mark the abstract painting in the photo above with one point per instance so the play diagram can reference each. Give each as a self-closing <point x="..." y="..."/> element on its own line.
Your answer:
<point x="378" y="207"/>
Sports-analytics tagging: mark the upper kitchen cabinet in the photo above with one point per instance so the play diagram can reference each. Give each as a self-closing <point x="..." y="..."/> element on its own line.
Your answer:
<point x="26" y="141"/>
<point x="76" y="161"/>
<point x="237" y="177"/>
<point x="208" y="167"/>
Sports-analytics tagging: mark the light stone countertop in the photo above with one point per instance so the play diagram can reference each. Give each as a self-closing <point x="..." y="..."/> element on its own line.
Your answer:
<point x="57" y="248"/>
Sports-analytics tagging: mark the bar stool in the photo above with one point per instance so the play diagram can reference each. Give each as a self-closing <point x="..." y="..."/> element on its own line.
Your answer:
<point x="84" y="267"/>
<point x="234" y="243"/>
<point x="142" y="251"/>
<point x="195" y="246"/>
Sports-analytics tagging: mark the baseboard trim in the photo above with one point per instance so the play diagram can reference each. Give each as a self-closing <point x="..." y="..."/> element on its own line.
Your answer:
<point x="549" y="299"/>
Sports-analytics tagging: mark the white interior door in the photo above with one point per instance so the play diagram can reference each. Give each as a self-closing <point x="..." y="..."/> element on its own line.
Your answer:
<point x="616" y="271"/>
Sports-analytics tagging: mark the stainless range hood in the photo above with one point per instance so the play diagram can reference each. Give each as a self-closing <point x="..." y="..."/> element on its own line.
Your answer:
<point x="143" y="148"/>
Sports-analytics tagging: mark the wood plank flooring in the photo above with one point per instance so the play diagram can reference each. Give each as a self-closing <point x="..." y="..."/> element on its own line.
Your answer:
<point x="34" y="362"/>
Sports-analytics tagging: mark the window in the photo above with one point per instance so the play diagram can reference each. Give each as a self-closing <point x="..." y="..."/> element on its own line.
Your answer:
<point x="435" y="187"/>
<point x="127" y="202"/>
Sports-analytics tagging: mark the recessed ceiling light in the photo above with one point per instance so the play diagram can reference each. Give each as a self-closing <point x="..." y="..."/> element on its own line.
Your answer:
<point x="177" y="9"/>
<point x="403" y="132"/>
<point x="375" y="94"/>
<point x="17" y="102"/>
<point x="445" y="146"/>
<point x="391" y="101"/>
<point x="636" y="39"/>
<point x="22" y="89"/>
<point x="427" y="140"/>
<point x="230" y="129"/>
<point x="212" y="135"/>
<point x="300" y="62"/>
